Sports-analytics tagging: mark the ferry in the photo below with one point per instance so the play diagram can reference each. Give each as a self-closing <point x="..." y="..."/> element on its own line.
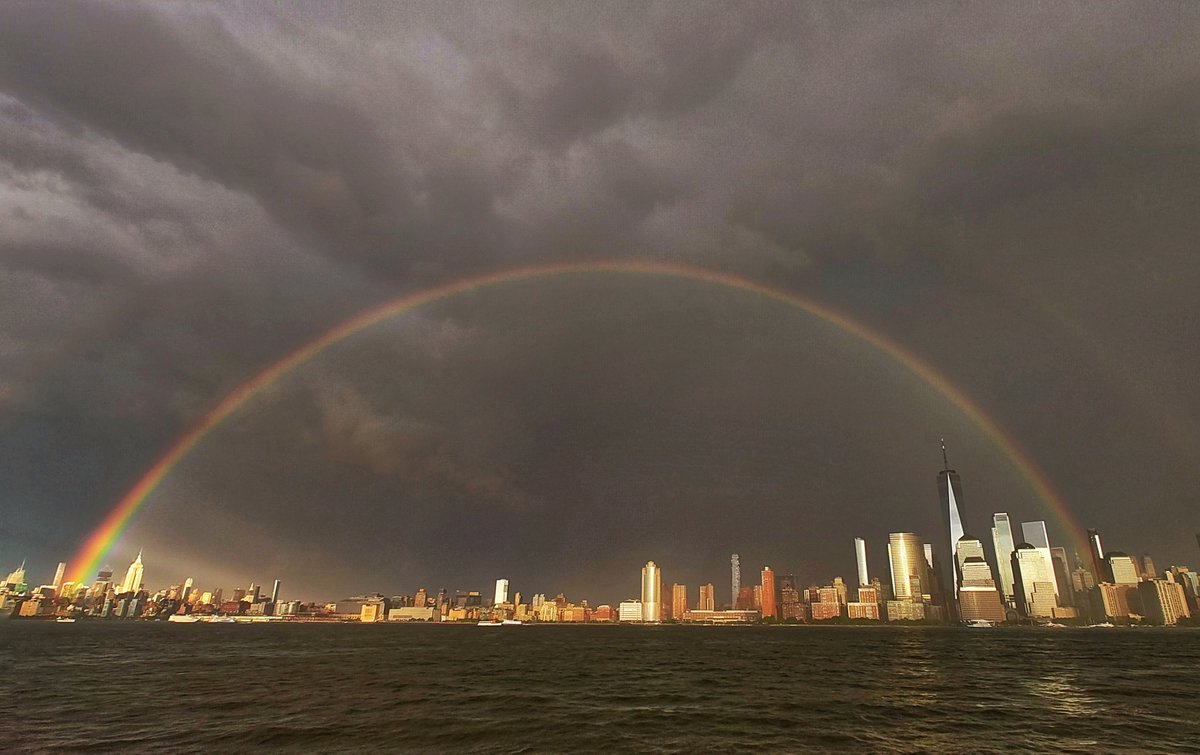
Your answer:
<point x="980" y="624"/>
<point x="64" y="620"/>
<point x="490" y="624"/>
<point x="179" y="618"/>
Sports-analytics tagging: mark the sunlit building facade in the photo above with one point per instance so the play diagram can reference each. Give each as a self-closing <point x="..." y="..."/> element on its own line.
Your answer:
<point x="1002" y="541"/>
<point x="950" y="494"/>
<point x="651" y="593"/>
<point x="906" y="557"/>
<point x="767" y="594"/>
<point x="707" y="601"/>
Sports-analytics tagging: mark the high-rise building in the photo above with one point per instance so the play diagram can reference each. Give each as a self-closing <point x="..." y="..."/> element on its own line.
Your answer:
<point x="275" y="592"/>
<point x="1099" y="562"/>
<point x="133" y="576"/>
<point x="906" y="557"/>
<point x="501" y="592"/>
<point x="421" y="599"/>
<point x="950" y="492"/>
<point x="1163" y="602"/>
<point x="1034" y="582"/>
<point x="1123" y="569"/>
<point x="1062" y="575"/>
<point x="678" y="601"/>
<point x="651" y="593"/>
<point x="768" y="594"/>
<point x="978" y="598"/>
<point x="1148" y="570"/>
<point x="58" y="575"/>
<point x="735" y="569"/>
<point x="707" y="603"/>
<point x="860" y="553"/>
<point x="1002" y="541"/>
<point x="1034" y="533"/>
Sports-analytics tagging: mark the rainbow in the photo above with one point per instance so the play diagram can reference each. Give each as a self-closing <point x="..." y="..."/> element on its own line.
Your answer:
<point x="101" y="541"/>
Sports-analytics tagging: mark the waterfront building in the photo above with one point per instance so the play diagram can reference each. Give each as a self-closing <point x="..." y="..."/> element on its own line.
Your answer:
<point x="860" y="555"/>
<point x="735" y="570"/>
<point x="133" y="576"/>
<point x="678" y="601"/>
<point x="501" y="596"/>
<point x="421" y="599"/>
<point x="860" y="610"/>
<point x="603" y="612"/>
<point x="1123" y="569"/>
<point x="1163" y="602"/>
<point x="745" y="600"/>
<point x="950" y="494"/>
<point x="839" y="586"/>
<point x="905" y="610"/>
<point x="630" y="611"/>
<point x="1034" y="582"/>
<point x="1036" y="535"/>
<point x="1115" y="599"/>
<point x="824" y="610"/>
<point x="791" y="607"/>
<point x="651" y="593"/>
<point x="767" y="596"/>
<point x="978" y="598"/>
<point x="58" y="575"/>
<point x="721" y="617"/>
<point x="909" y="570"/>
<point x="275" y="591"/>
<point x="707" y="603"/>
<point x="1002" y="541"/>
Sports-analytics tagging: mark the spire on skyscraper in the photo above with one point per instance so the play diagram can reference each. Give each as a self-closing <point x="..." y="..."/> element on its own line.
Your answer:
<point x="945" y="461"/>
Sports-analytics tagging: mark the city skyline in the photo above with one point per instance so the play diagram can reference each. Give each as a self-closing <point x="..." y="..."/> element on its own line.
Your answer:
<point x="591" y="297"/>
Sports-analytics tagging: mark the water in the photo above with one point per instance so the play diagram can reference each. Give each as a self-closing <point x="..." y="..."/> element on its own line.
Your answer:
<point x="196" y="687"/>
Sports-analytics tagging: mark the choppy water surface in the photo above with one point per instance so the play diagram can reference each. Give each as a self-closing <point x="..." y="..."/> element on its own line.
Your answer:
<point x="125" y="685"/>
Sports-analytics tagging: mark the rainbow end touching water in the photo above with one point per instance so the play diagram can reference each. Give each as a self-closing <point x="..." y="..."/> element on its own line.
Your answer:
<point x="97" y="546"/>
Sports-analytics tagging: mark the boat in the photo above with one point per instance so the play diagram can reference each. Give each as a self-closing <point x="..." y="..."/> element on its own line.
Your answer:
<point x="511" y="623"/>
<point x="179" y="618"/>
<point x="64" y="620"/>
<point x="222" y="620"/>
<point x="980" y="624"/>
<point x="490" y="624"/>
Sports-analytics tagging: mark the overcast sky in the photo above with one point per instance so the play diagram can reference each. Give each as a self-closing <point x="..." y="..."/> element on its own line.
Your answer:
<point x="188" y="192"/>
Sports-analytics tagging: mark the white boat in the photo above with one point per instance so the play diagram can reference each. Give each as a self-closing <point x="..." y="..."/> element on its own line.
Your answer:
<point x="490" y="624"/>
<point x="178" y="618"/>
<point x="511" y="623"/>
<point x="980" y="624"/>
<point x="64" y="620"/>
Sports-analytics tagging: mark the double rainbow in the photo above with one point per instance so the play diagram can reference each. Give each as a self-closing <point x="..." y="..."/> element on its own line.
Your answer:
<point x="97" y="546"/>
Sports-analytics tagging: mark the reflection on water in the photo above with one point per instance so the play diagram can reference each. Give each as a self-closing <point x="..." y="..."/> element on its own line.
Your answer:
<point x="312" y="687"/>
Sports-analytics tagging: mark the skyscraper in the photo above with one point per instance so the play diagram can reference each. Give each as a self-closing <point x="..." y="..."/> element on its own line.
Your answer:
<point x="735" y="568"/>
<point x="133" y="576"/>
<point x="768" y="593"/>
<point x="1002" y="541"/>
<point x="1062" y="576"/>
<point x="1123" y="569"/>
<point x="275" y="592"/>
<point x="678" y="601"/>
<point x="1034" y="533"/>
<point x="651" y="593"/>
<point x="860" y="552"/>
<point x="1099" y="562"/>
<point x="706" y="598"/>
<point x="58" y="575"/>
<point x="1035" y="582"/>
<point x="1148" y="570"/>
<point x="950" y="492"/>
<point x="501" y="592"/>
<point x="906" y="557"/>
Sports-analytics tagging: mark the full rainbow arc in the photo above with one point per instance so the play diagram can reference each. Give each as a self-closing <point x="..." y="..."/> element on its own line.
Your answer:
<point x="97" y="546"/>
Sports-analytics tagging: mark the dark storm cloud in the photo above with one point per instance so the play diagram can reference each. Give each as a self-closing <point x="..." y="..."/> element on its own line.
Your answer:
<point x="189" y="192"/>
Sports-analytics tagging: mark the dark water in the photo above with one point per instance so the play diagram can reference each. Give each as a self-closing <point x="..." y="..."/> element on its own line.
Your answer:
<point x="142" y="686"/>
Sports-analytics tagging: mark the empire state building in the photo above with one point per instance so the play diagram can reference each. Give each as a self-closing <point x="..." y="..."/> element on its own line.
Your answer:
<point x="133" y="577"/>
